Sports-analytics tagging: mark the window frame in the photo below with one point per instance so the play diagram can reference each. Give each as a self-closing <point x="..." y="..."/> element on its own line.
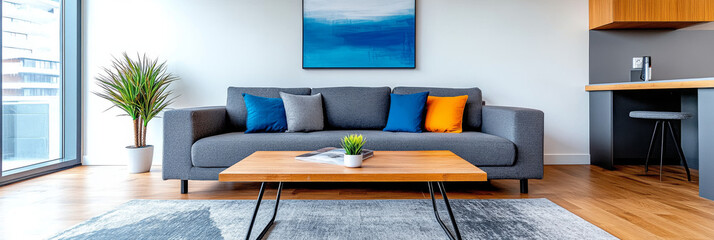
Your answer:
<point x="71" y="99"/>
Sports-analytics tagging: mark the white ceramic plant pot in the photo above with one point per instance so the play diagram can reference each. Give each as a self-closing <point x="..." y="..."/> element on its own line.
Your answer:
<point x="353" y="161"/>
<point x="140" y="158"/>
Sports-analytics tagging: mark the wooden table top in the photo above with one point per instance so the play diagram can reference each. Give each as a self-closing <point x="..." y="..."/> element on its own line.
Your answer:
<point x="656" y="84"/>
<point x="385" y="166"/>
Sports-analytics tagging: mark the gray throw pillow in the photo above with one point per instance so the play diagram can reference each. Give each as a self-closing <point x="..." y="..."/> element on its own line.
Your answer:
<point x="304" y="113"/>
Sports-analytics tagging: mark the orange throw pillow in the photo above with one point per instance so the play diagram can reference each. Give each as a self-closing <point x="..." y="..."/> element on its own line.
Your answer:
<point x="445" y="114"/>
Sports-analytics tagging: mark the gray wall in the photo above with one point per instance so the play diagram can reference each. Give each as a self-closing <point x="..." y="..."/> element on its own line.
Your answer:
<point x="675" y="53"/>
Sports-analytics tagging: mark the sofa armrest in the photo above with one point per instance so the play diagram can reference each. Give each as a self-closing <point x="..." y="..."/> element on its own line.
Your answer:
<point x="524" y="127"/>
<point x="183" y="127"/>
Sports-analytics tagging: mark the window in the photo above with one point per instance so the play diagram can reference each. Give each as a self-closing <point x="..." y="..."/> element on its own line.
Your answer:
<point x="41" y="64"/>
<point x="13" y="36"/>
<point x="40" y="87"/>
<point x="39" y="92"/>
<point x="39" y="78"/>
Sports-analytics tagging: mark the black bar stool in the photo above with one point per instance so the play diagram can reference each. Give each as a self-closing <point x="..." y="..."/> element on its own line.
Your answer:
<point x="662" y="119"/>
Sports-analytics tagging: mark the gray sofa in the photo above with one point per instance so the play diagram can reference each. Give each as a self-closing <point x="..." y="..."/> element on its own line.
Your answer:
<point x="506" y="142"/>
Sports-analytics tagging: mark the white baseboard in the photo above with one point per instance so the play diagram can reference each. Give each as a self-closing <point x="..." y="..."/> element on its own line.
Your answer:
<point x="90" y="161"/>
<point x="566" y="159"/>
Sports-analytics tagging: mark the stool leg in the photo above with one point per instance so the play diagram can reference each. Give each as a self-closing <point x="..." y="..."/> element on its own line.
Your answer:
<point x="680" y="152"/>
<point x="661" y="152"/>
<point x="649" y="150"/>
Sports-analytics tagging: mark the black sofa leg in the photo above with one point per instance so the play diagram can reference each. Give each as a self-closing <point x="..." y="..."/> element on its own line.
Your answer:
<point x="524" y="185"/>
<point x="184" y="186"/>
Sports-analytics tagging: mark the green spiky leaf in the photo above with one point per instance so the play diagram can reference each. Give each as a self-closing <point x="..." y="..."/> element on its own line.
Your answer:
<point x="353" y="144"/>
<point x="139" y="87"/>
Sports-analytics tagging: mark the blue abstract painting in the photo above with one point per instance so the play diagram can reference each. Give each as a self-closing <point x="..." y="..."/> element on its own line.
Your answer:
<point x="358" y="33"/>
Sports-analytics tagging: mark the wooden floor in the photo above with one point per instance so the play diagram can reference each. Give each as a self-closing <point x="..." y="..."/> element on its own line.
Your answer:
<point x="626" y="203"/>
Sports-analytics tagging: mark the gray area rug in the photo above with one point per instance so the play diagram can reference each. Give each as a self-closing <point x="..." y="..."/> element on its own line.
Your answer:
<point x="335" y="219"/>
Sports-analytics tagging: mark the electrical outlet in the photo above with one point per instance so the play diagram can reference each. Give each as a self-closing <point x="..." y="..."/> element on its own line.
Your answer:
<point x="637" y="63"/>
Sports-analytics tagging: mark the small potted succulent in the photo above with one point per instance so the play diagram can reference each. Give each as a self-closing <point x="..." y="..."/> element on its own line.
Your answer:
<point x="140" y="88"/>
<point x="353" y="150"/>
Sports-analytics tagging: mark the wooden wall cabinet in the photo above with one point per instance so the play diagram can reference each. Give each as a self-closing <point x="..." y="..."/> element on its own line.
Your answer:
<point x="627" y="14"/>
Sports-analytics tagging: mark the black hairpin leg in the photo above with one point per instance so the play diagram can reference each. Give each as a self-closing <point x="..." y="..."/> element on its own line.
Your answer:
<point x="257" y="206"/>
<point x="679" y="151"/>
<point x="661" y="154"/>
<point x="453" y="236"/>
<point x="649" y="150"/>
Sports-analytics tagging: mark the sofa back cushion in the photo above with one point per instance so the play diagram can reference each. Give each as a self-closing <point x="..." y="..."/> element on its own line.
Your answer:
<point x="355" y="107"/>
<point x="235" y="107"/>
<point x="472" y="111"/>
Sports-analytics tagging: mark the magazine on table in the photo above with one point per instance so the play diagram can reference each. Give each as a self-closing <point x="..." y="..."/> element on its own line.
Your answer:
<point x="331" y="155"/>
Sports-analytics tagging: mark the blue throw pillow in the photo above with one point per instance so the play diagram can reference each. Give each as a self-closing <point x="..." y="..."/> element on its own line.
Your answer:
<point x="264" y="114"/>
<point x="406" y="112"/>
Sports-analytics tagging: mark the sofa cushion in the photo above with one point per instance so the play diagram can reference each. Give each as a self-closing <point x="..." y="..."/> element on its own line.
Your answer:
<point x="445" y="114"/>
<point x="264" y="114"/>
<point x="235" y="107"/>
<point x="303" y="113"/>
<point x="355" y="107"/>
<point x="472" y="112"/>
<point x="478" y="148"/>
<point x="406" y="112"/>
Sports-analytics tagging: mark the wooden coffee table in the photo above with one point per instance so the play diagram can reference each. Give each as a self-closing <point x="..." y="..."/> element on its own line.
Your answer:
<point x="432" y="167"/>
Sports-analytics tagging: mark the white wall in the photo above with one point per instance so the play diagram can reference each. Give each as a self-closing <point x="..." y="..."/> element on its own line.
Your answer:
<point x="519" y="52"/>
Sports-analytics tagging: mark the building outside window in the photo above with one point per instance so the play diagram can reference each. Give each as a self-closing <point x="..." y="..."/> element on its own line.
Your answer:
<point x="31" y="82"/>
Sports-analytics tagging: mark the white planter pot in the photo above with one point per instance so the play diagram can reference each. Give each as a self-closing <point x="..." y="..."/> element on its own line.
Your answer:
<point x="353" y="161"/>
<point x="140" y="158"/>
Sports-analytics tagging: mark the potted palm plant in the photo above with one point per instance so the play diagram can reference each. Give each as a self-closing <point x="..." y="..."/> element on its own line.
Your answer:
<point x="353" y="150"/>
<point x="139" y="87"/>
